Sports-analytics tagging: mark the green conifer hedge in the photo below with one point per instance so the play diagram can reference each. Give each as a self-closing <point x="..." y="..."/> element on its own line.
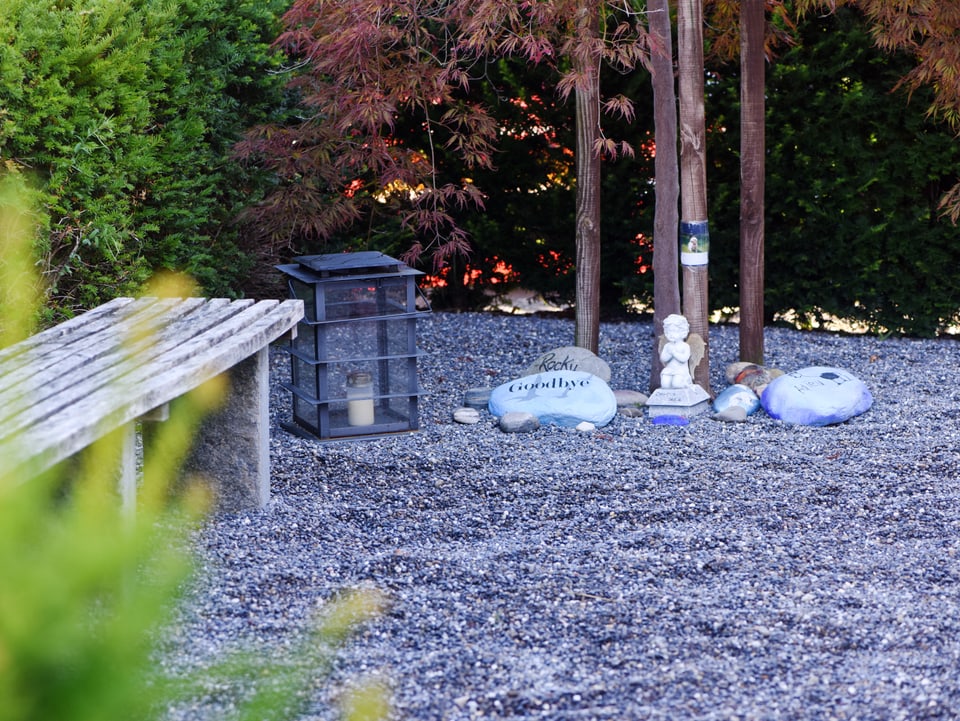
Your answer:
<point x="123" y="113"/>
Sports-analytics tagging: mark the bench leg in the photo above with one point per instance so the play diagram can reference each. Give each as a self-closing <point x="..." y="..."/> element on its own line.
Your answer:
<point x="127" y="470"/>
<point x="232" y="450"/>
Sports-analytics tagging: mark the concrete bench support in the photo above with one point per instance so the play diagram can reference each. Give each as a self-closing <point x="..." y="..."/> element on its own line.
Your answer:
<point x="232" y="449"/>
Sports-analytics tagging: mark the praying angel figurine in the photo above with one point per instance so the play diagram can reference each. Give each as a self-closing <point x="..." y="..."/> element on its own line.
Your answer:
<point x="677" y="355"/>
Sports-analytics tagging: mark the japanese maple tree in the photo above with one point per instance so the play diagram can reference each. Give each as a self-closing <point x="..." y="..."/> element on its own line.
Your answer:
<point x="363" y="67"/>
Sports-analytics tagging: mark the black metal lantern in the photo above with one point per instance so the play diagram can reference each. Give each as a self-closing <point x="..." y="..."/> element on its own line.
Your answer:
<point x="354" y="357"/>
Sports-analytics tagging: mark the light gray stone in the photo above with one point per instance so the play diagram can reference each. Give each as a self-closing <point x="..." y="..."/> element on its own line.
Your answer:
<point x="627" y="398"/>
<point x="732" y="414"/>
<point x="518" y="422"/>
<point x="467" y="416"/>
<point x="586" y="427"/>
<point x="570" y="358"/>
<point x="477" y="397"/>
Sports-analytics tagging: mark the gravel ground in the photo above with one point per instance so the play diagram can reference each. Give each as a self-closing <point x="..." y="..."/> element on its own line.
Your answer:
<point x="715" y="571"/>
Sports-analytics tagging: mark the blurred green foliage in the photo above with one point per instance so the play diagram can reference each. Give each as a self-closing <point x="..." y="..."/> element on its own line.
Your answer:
<point x="87" y="587"/>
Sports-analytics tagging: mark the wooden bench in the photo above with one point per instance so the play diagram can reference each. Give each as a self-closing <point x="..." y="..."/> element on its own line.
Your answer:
<point x="66" y="387"/>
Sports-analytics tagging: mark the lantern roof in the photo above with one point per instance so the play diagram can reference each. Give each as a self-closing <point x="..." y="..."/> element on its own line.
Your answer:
<point x="351" y="264"/>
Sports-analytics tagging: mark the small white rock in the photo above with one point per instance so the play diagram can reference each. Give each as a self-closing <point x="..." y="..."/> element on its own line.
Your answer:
<point x="465" y="415"/>
<point x="586" y="427"/>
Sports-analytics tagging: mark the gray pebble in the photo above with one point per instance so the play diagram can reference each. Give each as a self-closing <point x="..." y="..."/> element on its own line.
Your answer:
<point x="519" y="422"/>
<point x="628" y="399"/>
<point x="477" y="397"/>
<point x="733" y="414"/>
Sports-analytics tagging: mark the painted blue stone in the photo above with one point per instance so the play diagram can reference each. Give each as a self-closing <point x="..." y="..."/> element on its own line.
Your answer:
<point x="668" y="420"/>
<point x="562" y="398"/>
<point x="816" y="396"/>
<point x="737" y="395"/>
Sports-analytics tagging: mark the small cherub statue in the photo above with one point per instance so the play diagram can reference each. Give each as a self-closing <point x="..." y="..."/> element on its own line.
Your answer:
<point x="675" y="353"/>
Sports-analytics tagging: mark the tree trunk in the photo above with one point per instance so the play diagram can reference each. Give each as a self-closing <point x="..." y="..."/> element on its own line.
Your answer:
<point x="666" y="282"/>
<point x="694" y="231"/>
<point x="587" y="314"/>
<point x="752" y="170"/>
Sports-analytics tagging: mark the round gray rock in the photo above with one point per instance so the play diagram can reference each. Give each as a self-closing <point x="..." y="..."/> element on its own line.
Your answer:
<point x="519" y="422"/>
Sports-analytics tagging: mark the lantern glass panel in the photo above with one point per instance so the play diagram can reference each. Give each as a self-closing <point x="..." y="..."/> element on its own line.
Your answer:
<point x="305" y="377"/>
<point x="306" y="413"/>
<point x="305" y="292"/>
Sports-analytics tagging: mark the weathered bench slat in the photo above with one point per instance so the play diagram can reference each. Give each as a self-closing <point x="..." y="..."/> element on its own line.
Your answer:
<point x="67" y="328"/>
<point x="88" y="362"/>
<point x="124" y="372"/>
<point x="195" y="342"/>
<point x="88" y="339"/>
<point x="57" y="353"/>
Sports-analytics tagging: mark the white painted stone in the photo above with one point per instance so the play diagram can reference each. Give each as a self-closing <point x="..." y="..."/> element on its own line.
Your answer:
<point x="563" y="398"/>
<point x="737" y="395"/>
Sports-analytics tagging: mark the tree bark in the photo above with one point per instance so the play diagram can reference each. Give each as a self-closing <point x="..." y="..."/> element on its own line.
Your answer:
<point x="693" y="175"/>
<point x="587" y="312"/>
<point x="752" y="174"/>
<point x="666" y="257"/>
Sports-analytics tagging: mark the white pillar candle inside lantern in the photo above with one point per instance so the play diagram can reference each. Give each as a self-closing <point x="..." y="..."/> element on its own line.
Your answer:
<point x="360" y="409"/>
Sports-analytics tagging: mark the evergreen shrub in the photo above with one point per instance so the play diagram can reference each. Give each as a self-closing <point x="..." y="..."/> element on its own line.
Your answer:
<point x="123" y="113"/>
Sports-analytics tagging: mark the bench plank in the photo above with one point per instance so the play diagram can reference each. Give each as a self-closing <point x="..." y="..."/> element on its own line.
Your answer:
<point x="117" y="357"/>
<point x="108" y="372"/>
<point x="52" y="361"/>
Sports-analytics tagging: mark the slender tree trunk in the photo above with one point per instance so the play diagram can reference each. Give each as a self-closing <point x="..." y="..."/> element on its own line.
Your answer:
<point x="694" y="232"/>
<point x="666" y="280"/>
<point x="752" y="170"/>
<point x="587" y="315"/>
